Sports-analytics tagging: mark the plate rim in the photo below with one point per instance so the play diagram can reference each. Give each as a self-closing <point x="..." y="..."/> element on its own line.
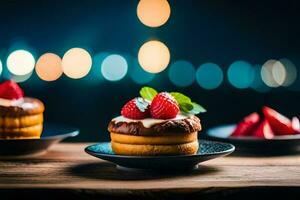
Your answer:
<point x="249" y="138"/>
<point x="226" y="152"/>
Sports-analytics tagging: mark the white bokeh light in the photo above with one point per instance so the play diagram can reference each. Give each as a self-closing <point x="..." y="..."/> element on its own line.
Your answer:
<point x="279" y="73"/>
<point x="273" y="73"/>
<point x="114" y="67"/>
<point x="20" y="62"/>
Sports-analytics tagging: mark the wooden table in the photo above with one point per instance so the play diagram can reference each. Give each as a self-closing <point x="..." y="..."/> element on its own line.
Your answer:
<point x="67" y="171"/>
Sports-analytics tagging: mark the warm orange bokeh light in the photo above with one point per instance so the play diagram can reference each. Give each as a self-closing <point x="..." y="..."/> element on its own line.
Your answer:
<point x="76" y="63"/>
<point x="153" y="13"/>
<point x="154" y="56"/>
<point x="48" y="67"/>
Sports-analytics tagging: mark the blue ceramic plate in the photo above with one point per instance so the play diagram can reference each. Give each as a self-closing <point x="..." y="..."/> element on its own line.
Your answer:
<point x="207" y="150"/>
<point x="251" y="145"/>
<point x="52" y="133"/>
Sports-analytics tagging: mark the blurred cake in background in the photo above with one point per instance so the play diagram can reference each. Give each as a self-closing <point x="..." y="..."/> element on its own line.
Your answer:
<point x="20" y="117"/>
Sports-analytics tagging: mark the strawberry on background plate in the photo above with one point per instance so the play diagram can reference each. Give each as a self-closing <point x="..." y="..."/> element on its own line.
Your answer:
<point x="280" y="124"/>
<point x="10" y="90"/>
<point x="247" y="125"/>
<point x="296" y="124"/>
<point x="137" y="108"/>
<point x="164" y="106"/>
<point x="264" y="130"/>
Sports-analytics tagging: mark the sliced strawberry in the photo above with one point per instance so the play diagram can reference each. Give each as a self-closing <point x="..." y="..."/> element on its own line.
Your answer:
<point x="10" y="90"/>
<point x="137" y="108"/>
<point x="164" y="106"/>
<point x="264" y="130"/>
<point x="280" y="124"/>
<point x="296" y="125"/>
<point x="247" y="125"/>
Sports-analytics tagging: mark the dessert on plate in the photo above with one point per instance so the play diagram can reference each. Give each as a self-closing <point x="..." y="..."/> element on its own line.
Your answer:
<point x="156" y="124"/>
<point x="20" y="117"/>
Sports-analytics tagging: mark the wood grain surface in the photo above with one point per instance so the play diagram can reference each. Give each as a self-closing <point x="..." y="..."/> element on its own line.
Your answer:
<point x="67" y="167"/>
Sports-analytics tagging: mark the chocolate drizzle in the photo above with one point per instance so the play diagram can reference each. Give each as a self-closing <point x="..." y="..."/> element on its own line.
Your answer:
<point x="187" y="125"/>
<point x="29" y="106"/>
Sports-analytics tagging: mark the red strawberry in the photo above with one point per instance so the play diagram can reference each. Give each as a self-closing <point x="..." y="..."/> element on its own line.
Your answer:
<point x="10" y="90"/>
<point x="280" y="124"/>
<point x="296" y="124"/>
<point x="137" y="108"/>
<point x="164" y="106"/>
<point x="247" y="125"/>
<point x="264" y="130"/>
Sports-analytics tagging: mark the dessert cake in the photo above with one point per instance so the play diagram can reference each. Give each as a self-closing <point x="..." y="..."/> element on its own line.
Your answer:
<point x="156" y="124"/>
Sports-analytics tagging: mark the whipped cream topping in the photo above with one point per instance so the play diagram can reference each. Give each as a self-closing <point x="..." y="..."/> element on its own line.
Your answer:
<point x="8" y="102"/>
<point x="148" y="122"/>
<point x="16" y="102"/>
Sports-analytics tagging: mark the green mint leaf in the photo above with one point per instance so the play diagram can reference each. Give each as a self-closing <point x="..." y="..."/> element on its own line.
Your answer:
<point x="186" y="107"/>
<point x="197" y="109"/>
<point x="181" y="98"/>
<point x="148" y="93"/>
<point x="141" y="103"/>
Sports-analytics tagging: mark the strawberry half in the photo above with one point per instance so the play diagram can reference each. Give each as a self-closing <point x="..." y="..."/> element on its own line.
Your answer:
<point x="280" y="124"/>
<point x="137" y="108"/>
<point x="247" y="125"/>
<point x="10" y="90"/>
<point x="264" y="130"/>
<point x="164" y="106"/>
<point x="296" y="125"/>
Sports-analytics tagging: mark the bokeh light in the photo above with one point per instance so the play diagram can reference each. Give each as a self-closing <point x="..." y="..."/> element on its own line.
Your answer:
<point x="76" y="63"/>
<point x="209" y="76"/>
<point x="21" y="78"/>
<point x="240" y="74"/>
<point x="20" y="62"/>
<point x="138" y="75"/>
<point x="267" y="73"/>
<point x="279" y="73"/>
<point x="48" y="67"/>
<point x="182" y="73"/>
<point x="257" y="83"/>
<point x="114" y="67"/>
<point x="153" y="13"/>
<point x="154" y="56"/>
<point x="291" y="72"/>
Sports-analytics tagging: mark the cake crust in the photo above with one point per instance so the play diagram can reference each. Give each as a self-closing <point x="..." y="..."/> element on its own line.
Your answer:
<point x="187" y="125"/>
